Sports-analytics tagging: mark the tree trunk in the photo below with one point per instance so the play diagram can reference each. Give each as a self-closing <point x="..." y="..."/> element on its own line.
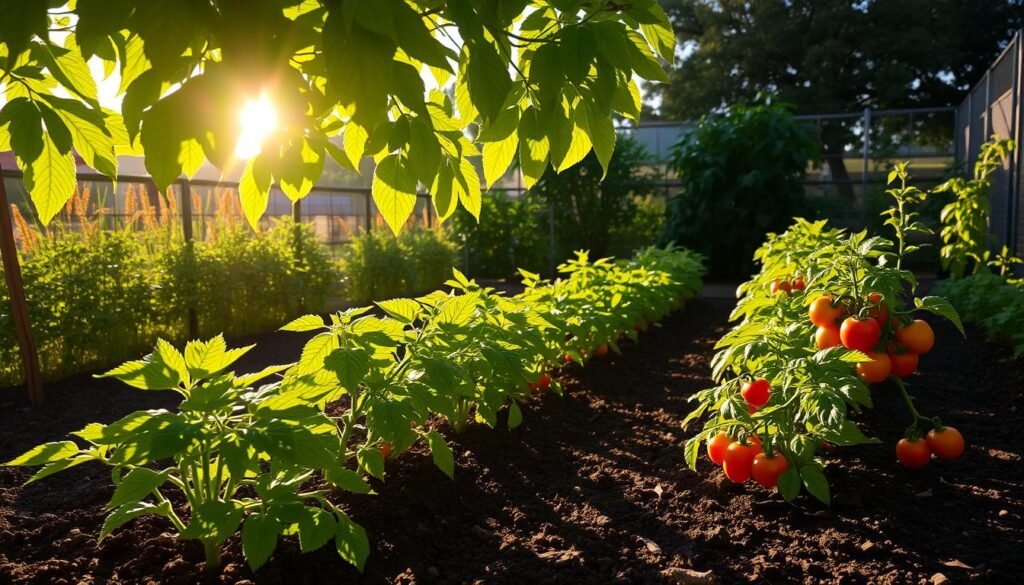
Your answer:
<point x="832" y="155"/>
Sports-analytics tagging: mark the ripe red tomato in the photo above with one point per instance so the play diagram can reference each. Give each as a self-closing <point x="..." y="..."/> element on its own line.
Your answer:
<point x="717" y="446"/>
<point x="947" y="443"/>
<point x="544" y="382"/>
<point x="567" y="358"/>
<point x="917" y="337"/>
<point x="799" y="284"/>
<point x="385" y="449"/>
<point x="913" y="454"/>
<point x="780" y="286"/>
<point x="737" y="462"/>
<point x="879" y="311"/>
<point x="877" y="370"/>
<point x="766" y="470"/>
<point x="860" y="334"/>
<point x="827" y="337"/>
<point x="602" y="350"/>
<point x="823" y="313"/>
<point x="903" y="364"/>
<point x="756" y="392"/>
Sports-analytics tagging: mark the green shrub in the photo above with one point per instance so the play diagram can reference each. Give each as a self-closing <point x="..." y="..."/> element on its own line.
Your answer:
<point x="643" y="229"/>
<point x="586" y="208"/>
<point x="991" y="302"/>
<point x="508" y="236"/>
<point x="740" y="172"/>
<point x="97" y="298"/>
<point x="377" y="265"/>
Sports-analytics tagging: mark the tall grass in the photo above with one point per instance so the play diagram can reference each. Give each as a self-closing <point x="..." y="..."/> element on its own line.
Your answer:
<point x="101" y="287"/>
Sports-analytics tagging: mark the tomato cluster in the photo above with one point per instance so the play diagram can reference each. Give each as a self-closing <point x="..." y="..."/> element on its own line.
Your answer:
<point x="787" y="286"/>
<point x="893" y="344"/>
<point x="744" y="460"/>
<point x="945" y="443"/>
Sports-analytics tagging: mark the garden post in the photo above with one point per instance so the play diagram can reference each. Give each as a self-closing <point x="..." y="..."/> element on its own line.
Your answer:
<point x="866" y="166"/>
<point x="19" y="307"/>
<point x="186" y="229"/>
<point x="369" y="212"/>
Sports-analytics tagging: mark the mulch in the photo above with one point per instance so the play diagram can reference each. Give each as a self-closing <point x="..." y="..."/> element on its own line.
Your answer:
<point x="591" y="488"/>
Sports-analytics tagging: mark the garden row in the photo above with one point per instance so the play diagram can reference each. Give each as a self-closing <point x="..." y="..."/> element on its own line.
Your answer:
<point x="828" y="316"/>
<point x="267" y="457"/>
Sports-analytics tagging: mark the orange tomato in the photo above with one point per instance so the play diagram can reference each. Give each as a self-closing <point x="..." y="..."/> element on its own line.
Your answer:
<point x="903" y="364"/>
<point x="826" y="337"/>
<point x="799" y="284"/>
<point x="717" y="446"/>
<point x="947" y="443"/>
<point x="823" y="313"/>
<point x="917" y="337"/>
<point x="879" y="311"/>
<point x="756" y="392"/>
<point x="385" y="449"/>
<point x="766" y="470"/>
<point x="737" y="462"/>
<point x="602" y="350"/>
<point x="877" y="370"/>
<point x="780" y="286"/>
<point x="913" y="454"/>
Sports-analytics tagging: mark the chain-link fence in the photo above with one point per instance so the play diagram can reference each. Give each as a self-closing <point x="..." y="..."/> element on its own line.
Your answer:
<point x="993" y="107"/>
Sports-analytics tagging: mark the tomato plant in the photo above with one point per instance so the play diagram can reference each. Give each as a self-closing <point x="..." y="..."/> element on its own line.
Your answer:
<point x="818" y="370"/>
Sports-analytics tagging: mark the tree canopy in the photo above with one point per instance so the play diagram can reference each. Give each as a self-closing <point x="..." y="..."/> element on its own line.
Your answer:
<point x="833" y="55"/>
<point x="401" y="81"/>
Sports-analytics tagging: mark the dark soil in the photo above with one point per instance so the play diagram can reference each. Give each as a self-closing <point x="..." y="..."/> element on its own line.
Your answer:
<point x="592" y="488"/>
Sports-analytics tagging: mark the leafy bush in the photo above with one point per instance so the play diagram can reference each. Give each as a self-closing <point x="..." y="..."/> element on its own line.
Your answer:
<point x="378" y="265"/>
<point x="99" y="297"/>
<point x="269" y="460"/>
<point x="508" y="236"/>
<point x="740" y="172"/>
<point x="588" y="205"/>
<point x="827" y="315"/>
<point x="991" y="302"/>
<point x="644" y="227"/>
<point x="965" y="231"/>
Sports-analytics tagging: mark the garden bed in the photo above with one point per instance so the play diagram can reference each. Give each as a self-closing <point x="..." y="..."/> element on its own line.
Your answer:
<point x="592" y="488"/>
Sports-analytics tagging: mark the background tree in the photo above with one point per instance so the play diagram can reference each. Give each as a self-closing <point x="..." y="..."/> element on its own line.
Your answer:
<point x="588" y="205"/>
<point x="832" y="55"/>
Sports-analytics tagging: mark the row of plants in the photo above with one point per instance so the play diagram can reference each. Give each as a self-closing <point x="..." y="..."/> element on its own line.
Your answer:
<point x="994" y="302"/>
<point x="99" y="293"/>
<point x="828" y="316"/>
<point x="379" y="265"/>
<point x="267" y="453"/>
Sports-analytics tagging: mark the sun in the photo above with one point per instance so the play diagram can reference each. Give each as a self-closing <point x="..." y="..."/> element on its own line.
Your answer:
<point x="258" y="120"/>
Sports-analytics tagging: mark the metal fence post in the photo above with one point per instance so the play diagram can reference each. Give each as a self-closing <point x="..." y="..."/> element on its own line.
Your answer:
<point x="369" y="212"/>
<point x="864" y="166"/>
<point x="1016" y="159"/>
<point x="190" y="251"/>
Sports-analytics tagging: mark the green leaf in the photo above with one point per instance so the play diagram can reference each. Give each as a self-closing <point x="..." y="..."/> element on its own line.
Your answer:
<point x="578" y="48"/>
<point x="404" y="310"/>
<point x="441" y="452"/>
<point x="941" y="307"/>
<point x="56" y="467"/>
<point x="467" y="187"/>
<point x="253" y="196"/>
<point x="259" y="539"/>
<point x="139" y="483"/>
<point x="204" y="359"/>
<point x="213" y="520"/>
<point x="534" y="147"/>
<point x="129" y="512"/>
<point x="515" y="415"/>
<point x="487" y="78"/>
<point x="348" y="480"/>
<point x="789" y="484"/>
<point x="602" y="134"/>
<point x="349" y="365"/>
<point x="152" y="372"/>
<point x="46" y="453"/>
<point x="371" y="461"/>
<point x="350" y="538"/>
<point x="305" y="323"/>
<point x="50" y="178"/>
<point x="815" y="482"/>
<point x="498" y="156"/>
<point x="691" y="450"/>
<point x="394" y="191"/>
<point x="316" y="528"/>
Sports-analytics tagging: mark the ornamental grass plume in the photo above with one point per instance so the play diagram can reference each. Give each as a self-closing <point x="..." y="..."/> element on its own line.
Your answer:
<point x="25" y="232"/>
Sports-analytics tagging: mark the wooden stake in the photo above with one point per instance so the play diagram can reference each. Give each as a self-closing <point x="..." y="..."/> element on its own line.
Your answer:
<point x="19" y="308"/>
